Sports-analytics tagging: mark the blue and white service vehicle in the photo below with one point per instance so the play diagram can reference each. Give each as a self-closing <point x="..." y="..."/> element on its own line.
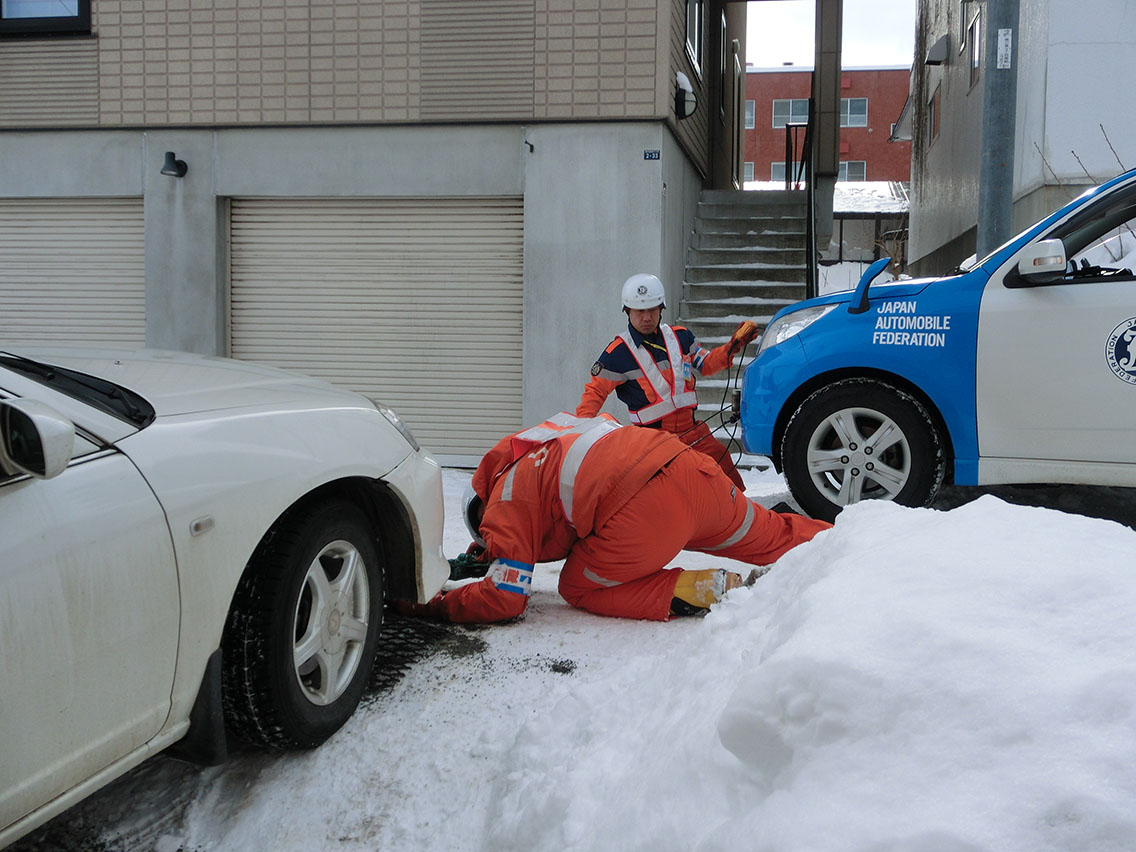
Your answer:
<point x="1017" y="368"/>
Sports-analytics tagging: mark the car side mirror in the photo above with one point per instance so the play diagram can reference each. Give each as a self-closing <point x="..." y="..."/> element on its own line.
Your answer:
<point x="34" y="438"/>
<point x="1043" y="262"/>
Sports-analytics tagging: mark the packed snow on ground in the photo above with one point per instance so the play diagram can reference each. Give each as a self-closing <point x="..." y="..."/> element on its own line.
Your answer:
<point x="910" y="681"/>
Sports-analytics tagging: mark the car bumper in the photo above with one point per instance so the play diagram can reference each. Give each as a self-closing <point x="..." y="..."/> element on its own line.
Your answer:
<point x="418" y="483"/>
<point x="766" y="385"/>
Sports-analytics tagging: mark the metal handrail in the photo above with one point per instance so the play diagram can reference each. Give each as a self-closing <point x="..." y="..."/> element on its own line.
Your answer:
<point x="805" y="173"/>
<point x="810" y="209"/>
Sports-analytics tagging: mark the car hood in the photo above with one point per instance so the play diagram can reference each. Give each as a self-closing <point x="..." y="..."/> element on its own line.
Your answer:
<point x="178" y="383"/>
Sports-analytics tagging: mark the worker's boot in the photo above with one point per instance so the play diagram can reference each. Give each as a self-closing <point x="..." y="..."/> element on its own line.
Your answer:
<point x="695" y="591"/>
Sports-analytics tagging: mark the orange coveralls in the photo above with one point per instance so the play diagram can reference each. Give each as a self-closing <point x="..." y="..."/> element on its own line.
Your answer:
<point x="618" y="503"/>
<point x="658" y="400"/>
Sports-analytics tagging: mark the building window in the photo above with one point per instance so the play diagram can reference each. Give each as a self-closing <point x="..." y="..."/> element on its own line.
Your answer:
<point x="794" y="111"/>
<point x="853" y="112"/>
<point x="852" y="170"/>
<point x="695" y="30"/>
<point x="933" y="110"/>
<point x="749" y="171"/>
<point x="962" y="25"/>
<point x="47" y="17"/>
<point x="777" y="170"/>
<point x="974" y="45"/>
<point x="751" y="112"/>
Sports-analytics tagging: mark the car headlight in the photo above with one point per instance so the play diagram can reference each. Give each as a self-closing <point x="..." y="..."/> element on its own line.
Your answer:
<point x="790" y="325"/>
<point x="396" y="422"/>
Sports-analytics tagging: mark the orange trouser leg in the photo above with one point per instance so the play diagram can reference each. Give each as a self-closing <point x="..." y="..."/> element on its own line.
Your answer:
<point x="618" y="570"/>
<point x="692" y="505"/>
<point x="754" y="534"/>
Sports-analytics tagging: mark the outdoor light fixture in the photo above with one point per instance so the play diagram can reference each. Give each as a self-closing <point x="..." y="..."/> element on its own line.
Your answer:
<point x="173" y="166"/>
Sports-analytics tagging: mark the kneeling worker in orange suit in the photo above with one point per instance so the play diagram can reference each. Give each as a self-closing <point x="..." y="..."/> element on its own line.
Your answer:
<point x="618" y="503"/>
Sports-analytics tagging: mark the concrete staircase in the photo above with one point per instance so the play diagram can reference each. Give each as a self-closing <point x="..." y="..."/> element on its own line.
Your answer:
<point x="746" y="261"/>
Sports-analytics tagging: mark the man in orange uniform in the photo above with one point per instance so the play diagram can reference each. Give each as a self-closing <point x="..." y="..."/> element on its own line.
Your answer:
<point x="643" y="365"/>
<point x="618" y="503"/>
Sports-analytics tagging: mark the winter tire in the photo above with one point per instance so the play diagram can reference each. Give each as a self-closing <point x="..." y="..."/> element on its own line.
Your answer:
<point x="301" y="635"/>
<point x="861" y="439"/>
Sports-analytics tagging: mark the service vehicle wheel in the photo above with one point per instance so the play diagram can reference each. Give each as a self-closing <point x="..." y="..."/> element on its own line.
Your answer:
<point x="300" y="640"/>
<point x="861" y="439"/>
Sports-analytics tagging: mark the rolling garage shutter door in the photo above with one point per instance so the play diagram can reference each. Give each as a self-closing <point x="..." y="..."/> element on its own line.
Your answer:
<point x="72" y="271"/>
<point x="415" y="302"/>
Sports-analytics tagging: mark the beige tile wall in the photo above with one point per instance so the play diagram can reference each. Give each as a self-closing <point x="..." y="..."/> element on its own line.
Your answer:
<point x="247" y="62"/>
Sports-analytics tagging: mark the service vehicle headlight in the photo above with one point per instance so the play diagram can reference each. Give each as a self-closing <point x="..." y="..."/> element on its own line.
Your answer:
<point x="790" y="325"/>
<point x="396" y="422"/>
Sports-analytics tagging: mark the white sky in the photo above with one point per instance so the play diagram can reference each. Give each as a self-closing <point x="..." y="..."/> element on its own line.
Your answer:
<point x="876" y="32"/>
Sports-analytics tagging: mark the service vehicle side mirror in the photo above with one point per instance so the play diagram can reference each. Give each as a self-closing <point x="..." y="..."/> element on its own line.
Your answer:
<point x="34" y="438"/>
<point x="1042" y="262"/>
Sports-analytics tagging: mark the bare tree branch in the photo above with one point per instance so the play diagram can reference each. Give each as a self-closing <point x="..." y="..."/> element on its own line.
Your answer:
<point x="1123" y="168"/>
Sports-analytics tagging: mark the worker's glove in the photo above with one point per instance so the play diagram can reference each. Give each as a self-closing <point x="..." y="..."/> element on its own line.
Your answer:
<point x="745" y="333"/>
<point x="469" y="564"/>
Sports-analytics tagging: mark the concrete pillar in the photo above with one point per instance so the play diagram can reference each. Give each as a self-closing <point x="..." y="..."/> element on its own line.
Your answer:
<point x="999" y="121"/>
<point x="185" y="261"/>
<point x="826" y="102"/>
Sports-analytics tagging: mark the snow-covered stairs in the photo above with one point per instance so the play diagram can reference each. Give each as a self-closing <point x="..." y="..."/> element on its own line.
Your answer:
<point x="746" y="260"/>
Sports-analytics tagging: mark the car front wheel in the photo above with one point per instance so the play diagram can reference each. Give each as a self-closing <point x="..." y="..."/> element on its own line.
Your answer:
<point x="302" y="631"/>
<point x="860" y="439"/>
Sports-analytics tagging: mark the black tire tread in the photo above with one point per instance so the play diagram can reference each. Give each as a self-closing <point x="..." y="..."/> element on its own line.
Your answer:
<point x="862" y="390"/>
<point x="251" y="692"/>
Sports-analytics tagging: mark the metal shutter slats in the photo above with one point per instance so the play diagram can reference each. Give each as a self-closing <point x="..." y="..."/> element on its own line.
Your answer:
<point x="416" y="302"/>
<point x="72" y="271"/>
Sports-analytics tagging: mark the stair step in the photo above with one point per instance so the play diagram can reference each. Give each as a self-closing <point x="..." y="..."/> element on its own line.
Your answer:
<point x="746" y="272"/>
<point x="725" y="311"/>
<point x="790" y="291"/>
<point x="708" y="329"/>
<point x="757" y="225"/>
<point x="746" y="260"/>
<point x="764" y="198"/>
<point x="733" y="240"/>
<point x="791" y="256"/>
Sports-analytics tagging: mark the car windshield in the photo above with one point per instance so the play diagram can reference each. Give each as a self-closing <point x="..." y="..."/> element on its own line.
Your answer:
<point x="106" y="396"/>
<point x="1102" y="236"/>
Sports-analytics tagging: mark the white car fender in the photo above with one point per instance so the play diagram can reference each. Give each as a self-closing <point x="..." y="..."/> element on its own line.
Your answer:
<point x="266" y="465"/>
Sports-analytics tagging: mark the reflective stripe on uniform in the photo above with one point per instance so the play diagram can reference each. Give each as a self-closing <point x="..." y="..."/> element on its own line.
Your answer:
<point x="579" y="435"/>
<point x="509" y="575"/>
<point x="574" y="457"/>
<point x="670" y="399"/>
<point x="598" y="580"/>
<point x="739" y="533"/>
<point x="507" y="487"/>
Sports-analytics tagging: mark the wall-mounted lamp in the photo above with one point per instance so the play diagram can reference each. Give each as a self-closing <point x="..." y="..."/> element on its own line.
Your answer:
<point x="685" y="99"/>
<point x="173" y="166"/>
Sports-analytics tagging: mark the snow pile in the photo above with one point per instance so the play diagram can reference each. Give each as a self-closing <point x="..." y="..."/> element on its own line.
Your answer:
<point x="911" y="680"/>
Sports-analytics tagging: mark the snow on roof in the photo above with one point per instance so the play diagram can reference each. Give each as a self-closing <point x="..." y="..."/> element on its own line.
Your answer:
<point x="869" y="196"/>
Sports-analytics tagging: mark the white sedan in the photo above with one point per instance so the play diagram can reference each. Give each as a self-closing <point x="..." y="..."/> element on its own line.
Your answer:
<point x="189" y="545"/>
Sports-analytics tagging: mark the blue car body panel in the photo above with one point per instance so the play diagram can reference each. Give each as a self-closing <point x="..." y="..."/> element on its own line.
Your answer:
<point x="923" y="333"/>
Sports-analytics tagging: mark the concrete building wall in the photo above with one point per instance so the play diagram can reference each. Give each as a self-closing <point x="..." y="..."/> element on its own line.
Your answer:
<point x="944" y="167"/>
<point x="596" y="211"/>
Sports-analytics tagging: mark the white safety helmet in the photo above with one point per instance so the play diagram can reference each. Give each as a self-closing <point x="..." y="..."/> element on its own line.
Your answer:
<point x="471" y="505"/>
<point x="642" y="291"/>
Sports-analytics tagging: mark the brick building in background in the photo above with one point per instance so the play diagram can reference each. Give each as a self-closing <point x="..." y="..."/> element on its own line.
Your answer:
<point x="871" y="101"/>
